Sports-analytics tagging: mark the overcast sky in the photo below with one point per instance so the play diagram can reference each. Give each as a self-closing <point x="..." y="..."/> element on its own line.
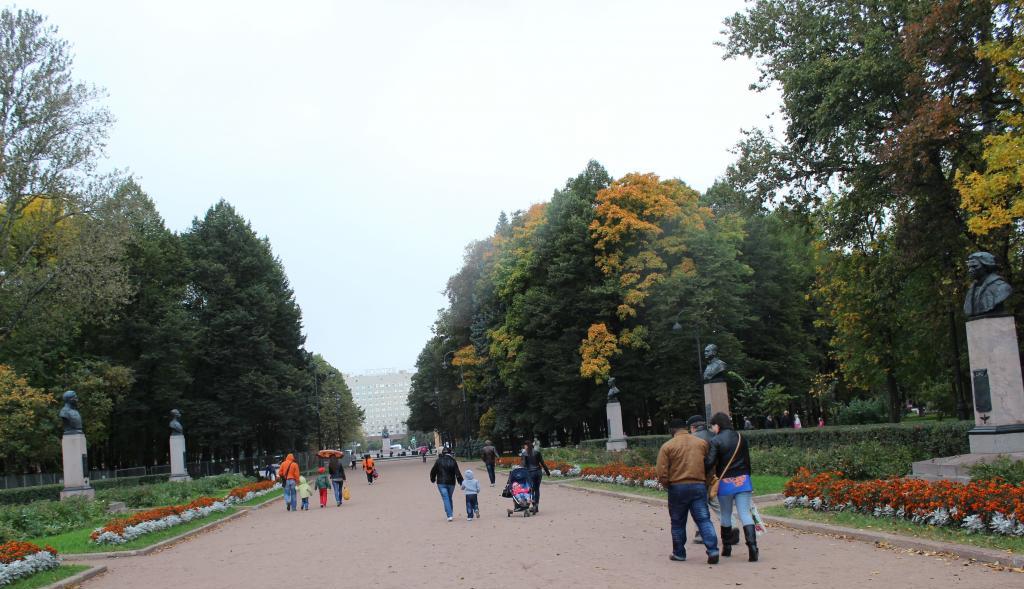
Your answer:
<point x="371" y="141"/>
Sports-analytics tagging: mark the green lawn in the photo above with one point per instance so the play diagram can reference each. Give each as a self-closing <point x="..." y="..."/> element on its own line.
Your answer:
<point x="902" y="527"/>
<point x="48" y="577"/>
<point x="77" y="541"/>
<point x="763" y="485"/>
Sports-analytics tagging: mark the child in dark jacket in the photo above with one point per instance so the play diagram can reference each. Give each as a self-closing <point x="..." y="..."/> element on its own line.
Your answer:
<point x="322" y="484"/>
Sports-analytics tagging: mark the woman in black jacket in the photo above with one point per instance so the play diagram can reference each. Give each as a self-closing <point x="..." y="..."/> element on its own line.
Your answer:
<point x="729" y="455"/>
<point x="534" y="463"/>
<point x="445" y="473"/>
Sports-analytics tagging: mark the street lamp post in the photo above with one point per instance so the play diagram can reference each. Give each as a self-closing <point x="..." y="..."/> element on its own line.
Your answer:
<point x="465" y="415"/>
<point x="678" y="328"/>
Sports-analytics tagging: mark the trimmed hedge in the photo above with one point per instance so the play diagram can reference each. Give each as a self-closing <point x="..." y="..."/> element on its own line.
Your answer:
<point x="20" y="495"/>
<point x="924" y="440"/>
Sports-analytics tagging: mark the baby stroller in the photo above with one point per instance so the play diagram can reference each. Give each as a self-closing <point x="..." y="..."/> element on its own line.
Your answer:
<point x="520" y="490"/>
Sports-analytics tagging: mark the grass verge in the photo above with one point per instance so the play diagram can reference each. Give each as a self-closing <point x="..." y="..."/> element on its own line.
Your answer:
<point x="77" y="541"/>
<point x="47" y="577"/>
<point x="763" y="485"/>
<point x="901" y="527"/>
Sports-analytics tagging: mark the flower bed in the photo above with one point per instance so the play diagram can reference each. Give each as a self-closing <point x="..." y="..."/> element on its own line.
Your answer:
<point x="986" y="506"/>
<point x="249" y="492"/>
<point x="121" y="530"/>
<point x="558" y="469"/>
<point x="620" y="474"/>
<point x="24" y="559"/>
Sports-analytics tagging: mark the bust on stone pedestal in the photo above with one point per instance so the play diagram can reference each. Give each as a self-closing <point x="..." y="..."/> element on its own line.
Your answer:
<point x="177" y="448"/>
<point x="74" y="449"/>
<point x="716" y="391"/>
<point x="613" y="410"/>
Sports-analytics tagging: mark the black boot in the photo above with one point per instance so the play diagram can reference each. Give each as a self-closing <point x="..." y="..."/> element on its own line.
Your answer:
<point x="726" y="540"/>
<point x="751" y="535"/>
<point x="735" y="537"/>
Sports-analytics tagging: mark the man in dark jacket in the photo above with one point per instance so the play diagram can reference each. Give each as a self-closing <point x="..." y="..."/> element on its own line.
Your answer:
<point x="446" y="474"/>
<point x="490" y="457"/>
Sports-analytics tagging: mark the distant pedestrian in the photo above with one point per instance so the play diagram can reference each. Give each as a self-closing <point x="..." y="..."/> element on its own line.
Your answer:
<point x="445" y="473"/>
<point x="490" y="457"/>
<point x="370" y="468"/>
<point x="289" y="475"/>
<point x="337" y="472"/>
<point x="821" y="422"/>
<point x="796" y="421"/>
<point x="534" y="463"/>
<point x="747" y="424"/>
<point x="729" y="455"/>
<point x="423" y="454"/>
<point x="471" y="487"/>
<point x="323" y="483"/>
<point x="786" y="422"/>
<point x="769" y="422"/>
<point x="304" y="492"/>
<point x="680" y="469"/>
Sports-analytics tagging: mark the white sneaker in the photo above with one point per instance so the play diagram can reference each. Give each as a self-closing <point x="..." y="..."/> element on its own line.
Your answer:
<point x="449" y="519"/>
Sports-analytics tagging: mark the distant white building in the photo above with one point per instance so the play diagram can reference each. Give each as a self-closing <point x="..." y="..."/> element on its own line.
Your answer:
<point x="382" y="395"/>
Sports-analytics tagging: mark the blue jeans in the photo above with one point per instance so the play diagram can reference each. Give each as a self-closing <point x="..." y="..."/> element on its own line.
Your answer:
<point x="337" y="490"/>
<point x="446" y="497"/>
<point x="690" y="499"/>
<point x="290" y="495"/>
<point x="490" y="472"/>
<point x="743" y="501"/>
<point x="472" y="505"/>
<point x="305" y="503"/>
<point x="535" y="477"/>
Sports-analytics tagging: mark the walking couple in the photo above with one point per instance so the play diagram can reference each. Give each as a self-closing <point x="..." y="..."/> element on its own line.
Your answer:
<point x="682" y="469"/>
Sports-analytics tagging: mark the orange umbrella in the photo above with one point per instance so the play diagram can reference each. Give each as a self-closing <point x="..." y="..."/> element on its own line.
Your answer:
<point x="330" y="454"/>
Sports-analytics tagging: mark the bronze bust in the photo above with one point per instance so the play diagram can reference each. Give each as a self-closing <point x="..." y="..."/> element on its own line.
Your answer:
<point x="613" y="391"/>
<point x="989" y="291"/>
<point x="69" y="414"/>
<point x="715" y="366"/>
<point x="175" y="425"/>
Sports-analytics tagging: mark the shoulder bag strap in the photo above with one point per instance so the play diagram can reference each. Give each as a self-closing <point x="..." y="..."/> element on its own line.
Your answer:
<point x="739" y="440"/>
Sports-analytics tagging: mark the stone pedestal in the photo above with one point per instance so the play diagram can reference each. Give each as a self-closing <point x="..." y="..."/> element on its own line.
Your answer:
<point x="178" y="472"/>
<point x="997" y="386"/>
<point x="716" y="398"/>
<point x="616" y="435"/>
<point x="76" y="466"/>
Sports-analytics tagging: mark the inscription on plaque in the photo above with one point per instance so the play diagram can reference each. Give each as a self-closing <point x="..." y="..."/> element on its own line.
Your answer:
<point x="982" y="392"/>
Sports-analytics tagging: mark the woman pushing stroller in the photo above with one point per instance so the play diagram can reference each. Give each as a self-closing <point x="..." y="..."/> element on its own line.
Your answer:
<point x="534" y="463"/>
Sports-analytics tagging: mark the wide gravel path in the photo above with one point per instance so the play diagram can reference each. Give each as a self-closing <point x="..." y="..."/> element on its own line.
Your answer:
<point x="394" y="534"/>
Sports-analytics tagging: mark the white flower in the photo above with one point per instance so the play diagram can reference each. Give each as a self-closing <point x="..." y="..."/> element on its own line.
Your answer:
<point x="28" y="566"/>
<point x="973" y="523"/>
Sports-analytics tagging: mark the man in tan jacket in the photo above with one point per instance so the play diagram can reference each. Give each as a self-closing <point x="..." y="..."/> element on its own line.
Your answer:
<point x="680" y="470"/>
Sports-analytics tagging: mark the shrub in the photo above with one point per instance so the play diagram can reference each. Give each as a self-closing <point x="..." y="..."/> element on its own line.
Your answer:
<point x="863" y="460"/>
<point x="20" y="495"/>
<point x="172" y="493"/>
<point x="1002" y="468"/>
<point x="861" y="411"/>
<point x="45" y="518"/>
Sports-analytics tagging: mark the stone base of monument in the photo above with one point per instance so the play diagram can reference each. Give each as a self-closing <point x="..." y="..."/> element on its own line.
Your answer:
<point x="76" y="464"/>
<point x="716" y="398"/>
<point x="955" y="468"/>
<point x="998" y="392"/>
<point x="616" y="435"/>
<point x="178" y="472"/>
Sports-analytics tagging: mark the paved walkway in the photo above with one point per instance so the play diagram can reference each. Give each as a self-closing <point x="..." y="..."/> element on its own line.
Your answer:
<point x="394" y="534"/>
